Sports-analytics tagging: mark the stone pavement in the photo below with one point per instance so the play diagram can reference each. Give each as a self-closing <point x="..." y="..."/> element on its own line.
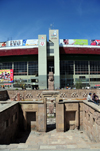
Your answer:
<point x="52" y="140"/>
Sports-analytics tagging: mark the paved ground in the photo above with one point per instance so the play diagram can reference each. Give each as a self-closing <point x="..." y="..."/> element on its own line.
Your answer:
<point x="52" y="140"/>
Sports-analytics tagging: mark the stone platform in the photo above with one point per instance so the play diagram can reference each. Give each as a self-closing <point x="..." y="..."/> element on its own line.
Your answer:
<point x="52" y="140"/>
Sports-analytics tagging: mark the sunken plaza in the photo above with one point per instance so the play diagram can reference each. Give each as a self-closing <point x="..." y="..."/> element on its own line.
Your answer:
<point x="49" y="120"/>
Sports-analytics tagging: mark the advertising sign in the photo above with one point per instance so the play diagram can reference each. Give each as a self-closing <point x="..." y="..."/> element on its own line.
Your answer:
<point x="6" y="75"/>
<point x="95" y="42"/>
<point x="30" y="42"/>
<point x="2" y="44"/>
<point x="73" y="42"/>
<point x="42" y="42"/>
<point x="13" y="43"/>
<point x="54" y="35"/>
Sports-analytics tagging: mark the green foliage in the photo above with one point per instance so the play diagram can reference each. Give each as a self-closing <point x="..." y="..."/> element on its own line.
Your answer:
<point x="20" y="84"/>
<point x="78" y="84"/>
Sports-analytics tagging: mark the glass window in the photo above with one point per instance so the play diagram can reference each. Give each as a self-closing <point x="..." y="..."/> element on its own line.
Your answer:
<point x="50" y="66"/>
<point x="94" y="79"/>
<point x="50" y="50"/>
<point x="64" y="82"/>
<point x="20" y="68"/>
<point x="6" y="65"/>
<point x="33" y="68"/>
<point x="94" y="67"/>
<point x="66" y="67"/>
<point x="50" y="44"/>
<point x="81" y="67"/>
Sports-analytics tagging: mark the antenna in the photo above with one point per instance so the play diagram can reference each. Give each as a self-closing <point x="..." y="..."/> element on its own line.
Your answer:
<point x="50" y="26"/>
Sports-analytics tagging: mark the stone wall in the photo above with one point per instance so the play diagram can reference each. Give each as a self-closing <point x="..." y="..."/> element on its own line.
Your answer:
<point x="37" y="94"/>
<point x="80" y="115"/>
<point x="9" y="122"/>
<point x="91" y="121"/>
<point x="71" y="115"/>
<point x="34" y="115"/>
<point x="68" y="114"/>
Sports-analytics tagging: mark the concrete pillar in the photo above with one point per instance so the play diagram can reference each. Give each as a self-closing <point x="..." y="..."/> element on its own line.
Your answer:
<point x="42" y="61"/>
<point x="54" y="38"/>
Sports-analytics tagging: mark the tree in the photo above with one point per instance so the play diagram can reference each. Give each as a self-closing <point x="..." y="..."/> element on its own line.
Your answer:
<point x="20" y="83"/>
<point x="78" y="84"/>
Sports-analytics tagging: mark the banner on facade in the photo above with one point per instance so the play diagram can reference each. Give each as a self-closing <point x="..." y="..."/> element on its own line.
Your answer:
<point x="13" y="43"/>
<point x="95" y="42"/>
<point x="2" y="44"/>
<point x="30" y="42"/>
<point x="6" y="75"/>
<point x="73" y="42"/>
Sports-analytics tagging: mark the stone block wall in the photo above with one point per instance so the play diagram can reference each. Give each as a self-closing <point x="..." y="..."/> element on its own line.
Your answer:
<point x="65" y="93"/>
<point x="91" y="121"/>
<point x="9" y="124"/>
<point x="81" y="115"/>
<point x="71" y="115"/>
<point x="60" y="117"/>
<point x="34" y="116"/>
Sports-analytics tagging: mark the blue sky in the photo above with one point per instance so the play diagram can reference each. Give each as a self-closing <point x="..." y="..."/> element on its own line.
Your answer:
<point x="26" y="19"/>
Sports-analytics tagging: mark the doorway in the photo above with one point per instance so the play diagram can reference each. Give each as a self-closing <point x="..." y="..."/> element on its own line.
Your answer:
<point x="51" y="114"/>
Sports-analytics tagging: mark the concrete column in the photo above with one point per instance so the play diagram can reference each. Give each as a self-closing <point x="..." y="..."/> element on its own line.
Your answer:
<point x="42" y="61"/>
<point x="74" y="70"/>
<point x="54" y="37"/>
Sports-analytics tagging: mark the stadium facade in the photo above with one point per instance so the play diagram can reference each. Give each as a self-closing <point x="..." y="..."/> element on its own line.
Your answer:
<point x="32" y="63"/>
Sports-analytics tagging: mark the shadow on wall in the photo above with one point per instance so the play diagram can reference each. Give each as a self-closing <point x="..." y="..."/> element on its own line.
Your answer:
<point x="4" y="95"/>
<point x="21" y="137"/>
<point x="22" y="134"/>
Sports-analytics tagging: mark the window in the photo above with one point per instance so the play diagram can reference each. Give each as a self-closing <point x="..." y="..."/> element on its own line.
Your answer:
<point x="50" y="50"/>
<point x="81" y="77"/>
<point x="94" y="67"/>
<point x="34" y="80"/>
<point x="50" y="44"/>
<point x="66" y="67"/>
<point x="6" y="65"/>
<point x="66" y="82"/>
<point x="81" y="67"/>
<point x="50" y="66"/>
<point x="94" y="79"/>
<point x="20" y="68"/>
<point x="33" y="68"/>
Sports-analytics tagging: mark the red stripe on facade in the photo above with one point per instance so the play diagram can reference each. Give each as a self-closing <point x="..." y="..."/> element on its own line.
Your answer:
<point x="15" y="52"/>
<point x="63" y="50"/>
<point x="75" y="50"/>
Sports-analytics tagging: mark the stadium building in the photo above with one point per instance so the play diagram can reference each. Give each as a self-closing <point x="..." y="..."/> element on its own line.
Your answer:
<point x="32" y="60"/>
